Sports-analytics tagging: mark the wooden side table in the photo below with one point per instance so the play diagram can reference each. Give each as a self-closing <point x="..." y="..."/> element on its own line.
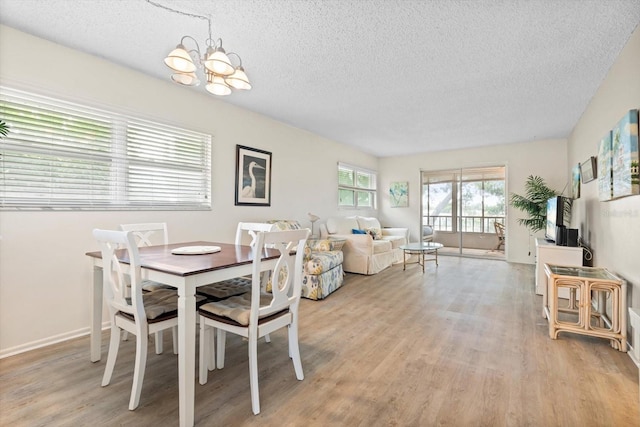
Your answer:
<point x="586" y="310"/>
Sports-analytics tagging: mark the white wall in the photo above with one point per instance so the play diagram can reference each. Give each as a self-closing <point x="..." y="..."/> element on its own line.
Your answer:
<point x="44" y="275"/>
<point x="611" y="228"/>
<point x="543" y="158"/>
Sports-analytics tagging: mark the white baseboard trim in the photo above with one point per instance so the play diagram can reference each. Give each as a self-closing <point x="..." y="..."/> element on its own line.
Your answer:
<point x="634" y="321"/>
<point x="12" y="351"/>
<point x="631" y="354"/>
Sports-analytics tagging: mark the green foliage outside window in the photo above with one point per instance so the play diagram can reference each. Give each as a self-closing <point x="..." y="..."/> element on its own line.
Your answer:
<point x="4" y="129"/>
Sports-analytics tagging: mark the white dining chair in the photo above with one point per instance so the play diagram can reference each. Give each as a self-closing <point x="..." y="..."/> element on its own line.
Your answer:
<point x="238" y="285"/>
<point x="149" y="234"/>
<point x="141" y="314"/>
<point x="257" y="313"/>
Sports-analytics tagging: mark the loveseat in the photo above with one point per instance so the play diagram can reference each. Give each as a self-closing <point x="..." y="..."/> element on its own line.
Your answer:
<point x="370" y="252"/>
<point x="322" y="273"/>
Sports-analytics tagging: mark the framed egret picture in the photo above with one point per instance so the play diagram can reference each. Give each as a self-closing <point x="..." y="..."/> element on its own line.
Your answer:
<point x="399" y="194"/>
<point x="253" y="177"/>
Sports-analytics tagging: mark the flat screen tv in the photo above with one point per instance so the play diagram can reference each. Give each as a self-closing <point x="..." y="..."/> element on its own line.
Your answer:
<point x="558" y="218"/>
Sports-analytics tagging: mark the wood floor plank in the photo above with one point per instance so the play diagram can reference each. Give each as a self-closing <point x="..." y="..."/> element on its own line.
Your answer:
<point x="463" y="344"/>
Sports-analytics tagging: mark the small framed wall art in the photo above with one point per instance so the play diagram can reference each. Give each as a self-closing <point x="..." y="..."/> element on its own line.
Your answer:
<point x="575" y="182"/>
<point x="253" y="177"/>
<point x="588" y="170"/>
<point x="399" y="194"/>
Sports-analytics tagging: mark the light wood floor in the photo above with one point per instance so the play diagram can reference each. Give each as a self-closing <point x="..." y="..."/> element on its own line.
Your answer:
<point x="462" y="345"/>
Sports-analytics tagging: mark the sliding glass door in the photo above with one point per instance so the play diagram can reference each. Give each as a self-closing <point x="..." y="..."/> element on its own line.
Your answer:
<point x="462" y="207"/>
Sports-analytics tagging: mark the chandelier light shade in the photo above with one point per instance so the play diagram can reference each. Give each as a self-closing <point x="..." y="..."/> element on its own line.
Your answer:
<point x="179" y="60"/>
<point x="214" y="64"/>
<point x="217" y="85"/>
<point x="219" y="63"/>
<point x="239" y="79"/>
<point x="186" y="79"/>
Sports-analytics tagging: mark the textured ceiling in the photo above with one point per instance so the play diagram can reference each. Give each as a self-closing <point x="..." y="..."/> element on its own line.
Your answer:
<point x="389" y="77"/>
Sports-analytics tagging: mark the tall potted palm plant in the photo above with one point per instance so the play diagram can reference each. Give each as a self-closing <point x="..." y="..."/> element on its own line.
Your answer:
<point x="533" y="203"/>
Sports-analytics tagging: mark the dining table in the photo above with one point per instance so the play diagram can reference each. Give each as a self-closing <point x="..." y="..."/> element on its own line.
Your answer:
<point x="185" y="273"/>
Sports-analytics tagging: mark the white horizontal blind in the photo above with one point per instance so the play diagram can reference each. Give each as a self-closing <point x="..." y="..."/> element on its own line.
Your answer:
<point x="356" y="187"/>
<point x="60" y="155"/>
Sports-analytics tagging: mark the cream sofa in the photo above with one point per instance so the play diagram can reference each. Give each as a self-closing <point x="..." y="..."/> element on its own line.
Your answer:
<point x="362" y="253"/>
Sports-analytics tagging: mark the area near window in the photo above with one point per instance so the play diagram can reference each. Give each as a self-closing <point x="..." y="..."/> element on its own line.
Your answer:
<point x="61" y="155"/>
<point x="463" y="206"/>
<point x="356" y="187"/>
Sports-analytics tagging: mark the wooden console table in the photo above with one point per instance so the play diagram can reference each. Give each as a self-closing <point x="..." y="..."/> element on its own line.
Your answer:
<point x="585" y="312"/>
<point x="550" y="253"/>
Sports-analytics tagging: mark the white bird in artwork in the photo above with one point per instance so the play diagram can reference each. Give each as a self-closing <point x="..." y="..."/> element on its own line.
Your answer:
<point x="250" y="190"/>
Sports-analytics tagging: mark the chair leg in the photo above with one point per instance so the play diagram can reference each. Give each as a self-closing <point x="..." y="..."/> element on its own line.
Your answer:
<point x="294" y="351"/>
<point x="222" y="338"/>
<point x="174" y="333"/>
<point x="114" y="344"/>
<point x="211" y="348"/>
<point x="159" y="342"/>
<point x="142" y="342"/>
<point x="264" y="281"/>
<point x="203" y="360"/>
<point x="253" y="374"/>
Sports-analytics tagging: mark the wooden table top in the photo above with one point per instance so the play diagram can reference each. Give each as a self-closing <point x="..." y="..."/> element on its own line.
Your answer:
<point x="160" y="258"/>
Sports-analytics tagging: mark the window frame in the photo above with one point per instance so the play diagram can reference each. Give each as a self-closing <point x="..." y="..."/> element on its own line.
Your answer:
<point x="64" y="155"/>
<point x="356" y="188"/>
<point x="453" y="221"/>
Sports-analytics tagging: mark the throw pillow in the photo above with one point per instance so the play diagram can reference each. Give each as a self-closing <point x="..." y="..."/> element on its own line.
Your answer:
<point x="367" y="223"/>
<point x="373" y="233"/>
<point x="356" y="231"/>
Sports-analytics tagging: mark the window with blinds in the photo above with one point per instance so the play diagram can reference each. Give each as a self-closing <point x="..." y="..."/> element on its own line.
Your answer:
<point x="356" y="187"/>
<point x="60" y="155"/>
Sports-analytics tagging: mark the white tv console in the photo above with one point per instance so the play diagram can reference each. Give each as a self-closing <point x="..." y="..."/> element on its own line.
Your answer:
<point x="550" y="253"/>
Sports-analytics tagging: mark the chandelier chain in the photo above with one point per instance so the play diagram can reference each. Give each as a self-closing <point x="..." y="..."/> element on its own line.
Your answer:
<point x="179" y="12"/>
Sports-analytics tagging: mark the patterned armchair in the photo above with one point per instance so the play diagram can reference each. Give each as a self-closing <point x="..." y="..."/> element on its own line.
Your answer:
<point x="323" y="259"/>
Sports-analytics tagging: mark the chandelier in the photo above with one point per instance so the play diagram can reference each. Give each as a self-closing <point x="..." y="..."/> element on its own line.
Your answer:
<point x="214" y="63"/>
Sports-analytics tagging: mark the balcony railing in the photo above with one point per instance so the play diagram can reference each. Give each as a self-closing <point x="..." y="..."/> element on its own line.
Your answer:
<point x="470" y="224"/>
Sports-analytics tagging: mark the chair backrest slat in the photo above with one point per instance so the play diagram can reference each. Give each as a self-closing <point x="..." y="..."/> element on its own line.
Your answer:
<point x="144" y="233"/>
<point x="117" y="275"/>
<point x="287" y="274"/>
<point x="250" y="228"/>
